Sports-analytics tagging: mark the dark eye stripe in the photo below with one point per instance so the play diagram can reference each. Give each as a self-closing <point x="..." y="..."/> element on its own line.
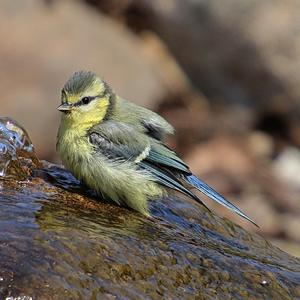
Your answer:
<point x="87" y="99"/>
<point x="84" y="101"/>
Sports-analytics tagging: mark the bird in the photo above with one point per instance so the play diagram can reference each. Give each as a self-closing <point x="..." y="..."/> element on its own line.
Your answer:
<point x="117" y="149"/>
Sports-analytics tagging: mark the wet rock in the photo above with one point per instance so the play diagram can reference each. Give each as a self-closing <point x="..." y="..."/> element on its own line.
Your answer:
<point x="58" y="242"/>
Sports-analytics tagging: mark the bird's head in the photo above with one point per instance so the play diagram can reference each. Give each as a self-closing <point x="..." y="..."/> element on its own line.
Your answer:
<point x="85" y="98"/>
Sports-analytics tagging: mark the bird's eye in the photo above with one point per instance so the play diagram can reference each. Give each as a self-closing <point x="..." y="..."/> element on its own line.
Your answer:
<point x="86" y="100"/>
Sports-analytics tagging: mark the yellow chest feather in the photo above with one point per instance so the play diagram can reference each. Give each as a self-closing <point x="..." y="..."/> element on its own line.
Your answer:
<point x="73" y="145"/>
<point x="75" y="149"/>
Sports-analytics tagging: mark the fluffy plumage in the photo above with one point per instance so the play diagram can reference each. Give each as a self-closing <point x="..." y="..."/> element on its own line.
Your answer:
<point x="117" y="149"/>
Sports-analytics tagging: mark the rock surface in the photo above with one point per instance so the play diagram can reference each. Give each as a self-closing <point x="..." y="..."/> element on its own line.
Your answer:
<point x="58" y="242"/>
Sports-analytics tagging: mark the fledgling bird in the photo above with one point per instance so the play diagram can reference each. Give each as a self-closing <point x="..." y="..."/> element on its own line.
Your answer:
<point x="116" y="147"/>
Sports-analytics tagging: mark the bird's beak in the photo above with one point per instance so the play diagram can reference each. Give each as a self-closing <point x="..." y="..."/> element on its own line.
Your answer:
<point x="64" y="107"/>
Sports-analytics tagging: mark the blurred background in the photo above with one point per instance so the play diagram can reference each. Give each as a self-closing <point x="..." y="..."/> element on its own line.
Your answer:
<point x="226" y="74"/>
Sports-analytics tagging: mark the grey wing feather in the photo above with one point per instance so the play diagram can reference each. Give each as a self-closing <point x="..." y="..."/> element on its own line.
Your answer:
<point x="161" y="154"/>
<point x="121" y="141"/>
<point x="109" y="149"/>
<point x="157" y="128"/>
<point x="154" y="125"/>
<point x="117" y="140"/>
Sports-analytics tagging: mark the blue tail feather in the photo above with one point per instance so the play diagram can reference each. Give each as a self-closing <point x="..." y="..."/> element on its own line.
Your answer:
<point x="214" y="195"/>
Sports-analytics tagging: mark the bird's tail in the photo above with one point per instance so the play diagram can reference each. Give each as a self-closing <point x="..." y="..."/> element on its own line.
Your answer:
<point x="214" y="195"/>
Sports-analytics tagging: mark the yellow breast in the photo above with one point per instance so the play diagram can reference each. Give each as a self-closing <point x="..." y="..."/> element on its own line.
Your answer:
<point x="74" y="148"/>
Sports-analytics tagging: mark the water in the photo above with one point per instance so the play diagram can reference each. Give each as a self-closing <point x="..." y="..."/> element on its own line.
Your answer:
<point x="15" y="145"/>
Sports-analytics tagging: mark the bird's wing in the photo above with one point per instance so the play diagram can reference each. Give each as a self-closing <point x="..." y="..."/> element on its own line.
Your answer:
<point x="164" y="156"/>
<point x="118" y="141"/>
<point x="154" y="125"/>
<point x="122" y="141"/>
